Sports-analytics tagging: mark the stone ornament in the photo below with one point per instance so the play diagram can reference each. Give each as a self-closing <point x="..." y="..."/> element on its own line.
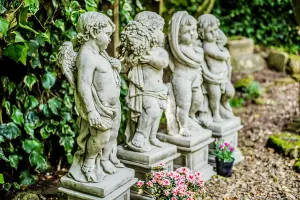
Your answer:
<point x="94" y="76"/>
<point x="187" y="58"/>
<point x="144" y="59"/>
<point x="217" y="73"/>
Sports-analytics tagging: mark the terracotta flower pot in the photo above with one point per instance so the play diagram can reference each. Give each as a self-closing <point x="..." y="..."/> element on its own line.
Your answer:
<point x="224" y="168"/>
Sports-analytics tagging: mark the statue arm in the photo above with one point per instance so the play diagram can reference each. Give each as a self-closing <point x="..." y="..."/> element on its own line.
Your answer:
<point x="84" y="84"/>
<point x="197" y="57"/>
<point x="161" y="61"/>
<point x="210" y="77"/>
<point x="216" y="54"/>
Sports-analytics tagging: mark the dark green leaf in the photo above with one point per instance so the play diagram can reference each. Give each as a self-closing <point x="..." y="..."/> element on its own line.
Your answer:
<point x="37" y="159"/>
<point x="90" y="5"/>
<point x="31" y="102"/>
<point x="11" y="86"/>
<point x="54" y="104"/>
<point x="17" y="116"/>
<point x="29" y="128"/>
<point x="17" y="186"/>
<point x="59" y="23"/>
<point x="32" y="117"/>
<point x="42" y="38"/>
<point x="33" y="5"/>
<point x="14" y="161"/>
<point x="18" y="37"/>
<point x="29" y="145"/>
<point x="16" y="52"/>
<point x="33" y="47"/>
<point x="45" y="109"/>
<point x="6" y="186"/>
<point x="20" y="95"/>
<point x="68" y="101"/>
<point x="67" y="143"/>
<point x="1" y="179"/>
<point x="67" y="130"/>
<point x="26" y="178"/>
<point x="30" y="80"/>
<point x="45" y="134"/>
<point x="48" y="79"/>
<point x="5" y="82"/>
<point x="6" y="105"/>
<point x="2" y="156"/>
<point x="1" y="139"/>
<point x="3" y="27"/>
<point x="9" y="130"/>
<point x="35" y="62"/>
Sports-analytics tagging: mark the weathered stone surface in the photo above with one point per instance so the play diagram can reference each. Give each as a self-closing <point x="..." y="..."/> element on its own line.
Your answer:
<point x="294" y="64"/>
<point x="226" y="127"/>
<point x="241" y="46"/>
<point x="103" y="188"/>
<point x="248" y="63"/>
<point x="278" y="60"/>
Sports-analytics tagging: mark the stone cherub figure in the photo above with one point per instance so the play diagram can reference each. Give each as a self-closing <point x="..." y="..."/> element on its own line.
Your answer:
<point x="144" y="58"/>
<point x="187" y="58"/>
<point x="219" y="90"/>
<point x="95" y="78"/>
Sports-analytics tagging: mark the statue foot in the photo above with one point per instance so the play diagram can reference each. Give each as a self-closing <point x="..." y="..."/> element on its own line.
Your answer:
<point x="156" y="142"/>
<point x="116" y="161"/>
<point x="185" y="132"/>
<point x="91" y="177"/>
<point x="217" y="118"/>
<point x="88" y="165"/>
<point x="108" y="167"/>
<point x="138" y="140"/>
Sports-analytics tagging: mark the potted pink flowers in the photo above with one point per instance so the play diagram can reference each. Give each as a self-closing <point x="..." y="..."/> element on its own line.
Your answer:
<point x="174" y="185"/>
<point x="224" y="158"/>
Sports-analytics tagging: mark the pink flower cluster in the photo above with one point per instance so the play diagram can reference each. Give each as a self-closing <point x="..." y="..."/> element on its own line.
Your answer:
<point x="176" y="185"/>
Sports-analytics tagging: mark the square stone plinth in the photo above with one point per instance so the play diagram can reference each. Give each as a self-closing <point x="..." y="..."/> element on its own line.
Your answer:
<point x="143" y="163"/>
<point x="193" y="151"/>
<point x="228" y="131"/>
<point x="120" y="181"/>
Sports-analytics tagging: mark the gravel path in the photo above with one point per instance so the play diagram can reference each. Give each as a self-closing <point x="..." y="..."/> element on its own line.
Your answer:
<point x="263" y="174"/>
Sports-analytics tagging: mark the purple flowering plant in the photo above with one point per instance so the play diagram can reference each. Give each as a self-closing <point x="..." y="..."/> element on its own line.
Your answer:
<point x="224" y="151"/>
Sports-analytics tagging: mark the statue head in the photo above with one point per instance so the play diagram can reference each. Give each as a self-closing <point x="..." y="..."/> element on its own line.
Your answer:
<point x="155" y="22"/>
<point x="208" y="27"/>
<point x="188" y="30"/>
<point x="95" y="26"/>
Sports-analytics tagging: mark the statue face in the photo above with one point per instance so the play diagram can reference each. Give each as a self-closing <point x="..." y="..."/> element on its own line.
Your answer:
<point x="160" y="36"/>
<point x="188" y="34"/>
<point x="103" y="37"/>
<point x="212" y="33"/>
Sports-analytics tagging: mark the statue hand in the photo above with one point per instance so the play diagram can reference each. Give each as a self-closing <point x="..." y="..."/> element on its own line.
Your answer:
<point x="95" y="121"/>
<point x="116" y="64"/>
<point x="146" y="58"/>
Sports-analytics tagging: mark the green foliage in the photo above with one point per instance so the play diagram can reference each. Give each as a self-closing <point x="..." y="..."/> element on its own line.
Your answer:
<point x="37" y="116"/>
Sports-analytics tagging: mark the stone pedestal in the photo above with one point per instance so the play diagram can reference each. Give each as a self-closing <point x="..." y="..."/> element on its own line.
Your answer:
<point x="228" y="131"/>
<point x="194" y="151"/>
<point x="113" y="187"/>
<point x="143" y="163"/>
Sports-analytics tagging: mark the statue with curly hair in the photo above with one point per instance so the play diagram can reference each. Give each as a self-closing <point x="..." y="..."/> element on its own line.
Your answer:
<point x="144" y="58"/>
<point x="94" y="75"/>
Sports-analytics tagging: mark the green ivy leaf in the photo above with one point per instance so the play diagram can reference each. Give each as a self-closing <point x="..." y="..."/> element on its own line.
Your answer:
<point x="42" y="38"/>
<point x="33" y="5"/>
<point x="26" y="178"/>
<point x="45" y="134"/>
<point x="6" y="105"/>
<point x="68" y="101"/>
<point x="3" y="27"/>
<point x="30" y="80"/>
<point x="36" y="159"/>
<point x="48" y="79"/>
<point x="11" y="86"/>
<point x="29" y="128"/>
<point x="18" y="37"/>
<point x="17" y="186"/>
<point x="32" y="117"/>
<point x="16" y="52"/>
<point x="54" y="104"/>
<point x="69" y="158"/>
<point x="91" y="5"/>
<point x="30" y="145"/>
<point x="33" y="47"/>
<point x="35" y="62"/>
<point x="7" y="186"/>
<point x="1" y="179"/>
<point x="1" y="139"/>
<point x="14" y="161"/>
<point x="67" y="143"/>
<point x="2" y="156"/>
<point x="20" y="95"/>
<point x="59" y="23"/>
<point x="5" y="82"/>
<point x="31" y="102"/>
<point x="9" y="130"/>
<point x="45" y="109"/>
<point x="17" y="116"/>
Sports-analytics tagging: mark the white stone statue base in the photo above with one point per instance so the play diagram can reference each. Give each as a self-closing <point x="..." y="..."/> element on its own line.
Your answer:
<point x="194" y="151"/>
<point x="228" y="131"/>
<point x="143" y="163"/>
<point x="113" y="187"/>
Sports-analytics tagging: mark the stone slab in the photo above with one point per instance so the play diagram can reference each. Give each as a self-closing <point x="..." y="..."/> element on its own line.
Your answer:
<point x="147" y="158"/>
<point x="182" y="141"/>
<point x="248" y="63"/>
<point x="135" y="196"/>
<point x="121" y="193"/>
<point x="226" y="127"/>
<point x="278" y="60"/>
<point x="105" y="187"/>
<point x="241" y="47"/>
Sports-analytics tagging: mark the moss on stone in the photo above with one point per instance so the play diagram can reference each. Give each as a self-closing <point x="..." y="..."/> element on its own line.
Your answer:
<point x="297" y="166"/>
<point x="244" y="82"/>
<point x="285" y="142"/>
<point x="29" y="196"/>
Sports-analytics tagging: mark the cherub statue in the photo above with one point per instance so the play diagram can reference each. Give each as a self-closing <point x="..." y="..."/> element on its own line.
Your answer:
<point x="94" y="75"/>
<point x="140" y="50"/>
<point x="187" y="56"/>
<point x="217" y="57"/>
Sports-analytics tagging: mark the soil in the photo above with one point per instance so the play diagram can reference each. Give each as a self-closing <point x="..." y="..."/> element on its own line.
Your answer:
<point x="263" y="174"/>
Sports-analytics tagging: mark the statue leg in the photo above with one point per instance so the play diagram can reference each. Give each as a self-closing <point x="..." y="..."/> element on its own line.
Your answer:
<point x="153" y="139"/>
<point x="151" y="111"/>
<point x="214" y="94"/>
<point x="183" y="97"/>
<point x="229" y="93"/>
<point x="197" y="100"/>
<point x="94" y="147"/>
